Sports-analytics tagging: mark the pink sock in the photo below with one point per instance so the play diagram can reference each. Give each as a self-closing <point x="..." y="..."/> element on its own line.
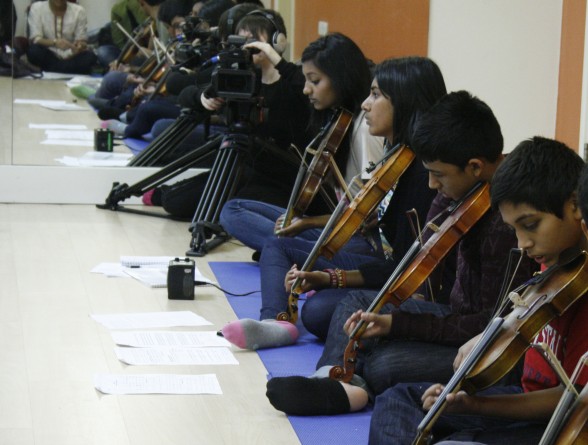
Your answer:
<point x="253" y="334"/>
<point x="146" y="198"/>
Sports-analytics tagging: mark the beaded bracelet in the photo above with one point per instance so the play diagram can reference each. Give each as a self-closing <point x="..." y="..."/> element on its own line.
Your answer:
<point x="341" y="278"/>
<point x="334" y="281"/>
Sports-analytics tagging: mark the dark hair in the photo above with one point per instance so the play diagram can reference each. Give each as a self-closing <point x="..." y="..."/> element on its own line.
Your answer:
<point x="413" y="85"/>
<point x="212" y="10"/>
<point x="459" y="127"/>
<point x="170" y="9"/>
<point x="540" y="172"/>
<point x="258" y="24"/>
<point x="231" y="17"/>
<point x="154" y="2"/>
<point x="583" y="193"/>
<point x="343" y="62"/>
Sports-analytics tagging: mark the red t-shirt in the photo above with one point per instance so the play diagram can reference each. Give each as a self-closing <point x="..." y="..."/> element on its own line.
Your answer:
<point x="567" y="336"/>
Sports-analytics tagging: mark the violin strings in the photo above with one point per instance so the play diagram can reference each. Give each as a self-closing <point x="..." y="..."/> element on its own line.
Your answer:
<point x="418" y="234"/>
<point x="504" y="289"/>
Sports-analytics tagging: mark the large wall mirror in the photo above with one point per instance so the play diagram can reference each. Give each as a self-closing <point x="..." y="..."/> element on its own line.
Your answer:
<point x="493" y="49"/>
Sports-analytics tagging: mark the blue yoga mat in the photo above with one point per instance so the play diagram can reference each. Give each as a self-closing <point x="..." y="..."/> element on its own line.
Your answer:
<point x="136" y="145"/>
<point x="298" y="359"/>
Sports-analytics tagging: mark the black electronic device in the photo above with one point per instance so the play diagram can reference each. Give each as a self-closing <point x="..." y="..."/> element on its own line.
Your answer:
<point x="103" y="139"/>
<point x="180" y="279"/>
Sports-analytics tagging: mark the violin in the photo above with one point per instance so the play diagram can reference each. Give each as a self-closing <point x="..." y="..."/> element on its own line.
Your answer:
<point x="505" y="340"/>
<point x="157" y="75"/>
<point x="417" y="264"/>
<point x="291" y="313"/>
<point x="131" y="48"/>
<point x="568" y="422"/>
<point x="369" y="197"/>
<point x="575" y="431"/>
<point x="310" y="180"/>
<point x="348" y="220"/>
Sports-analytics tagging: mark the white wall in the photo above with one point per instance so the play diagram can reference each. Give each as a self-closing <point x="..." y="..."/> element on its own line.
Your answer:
<point x="506" y="52"/>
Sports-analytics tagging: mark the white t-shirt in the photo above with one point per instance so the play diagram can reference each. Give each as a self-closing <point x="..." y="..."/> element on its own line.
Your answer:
<point x="44" y="25"/>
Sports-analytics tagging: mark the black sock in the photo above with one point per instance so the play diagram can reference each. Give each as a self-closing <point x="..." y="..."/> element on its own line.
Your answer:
<point x="303" y="396"/>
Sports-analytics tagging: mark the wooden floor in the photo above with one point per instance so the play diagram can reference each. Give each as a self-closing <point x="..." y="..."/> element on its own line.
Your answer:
<point x="50" y="348"/>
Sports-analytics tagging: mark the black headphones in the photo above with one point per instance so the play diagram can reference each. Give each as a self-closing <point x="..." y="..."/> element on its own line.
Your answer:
<point x="278" y="39"/>
<point x="231" y="20"/>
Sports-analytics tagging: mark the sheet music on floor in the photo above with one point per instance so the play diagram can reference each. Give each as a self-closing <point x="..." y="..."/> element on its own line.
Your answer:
<point x="150" y="270"/>
<point x="97" y="159"/>
<point x="150" y="339"/>
<point x="146" y="320"/>
<point x="120" y="384"/>
<point x="139" y="261"/>
<point x="151" y="276"/>
<point x="175" y="356"/>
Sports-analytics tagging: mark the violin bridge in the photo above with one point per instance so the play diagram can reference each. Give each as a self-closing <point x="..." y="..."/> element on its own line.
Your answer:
<point x="517" y="300"/>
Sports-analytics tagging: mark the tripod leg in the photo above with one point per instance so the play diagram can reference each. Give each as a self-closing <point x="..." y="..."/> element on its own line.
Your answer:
<point x="168" y="140"/>
<point x="121" y="192"/>
<point x="220" y="187"/>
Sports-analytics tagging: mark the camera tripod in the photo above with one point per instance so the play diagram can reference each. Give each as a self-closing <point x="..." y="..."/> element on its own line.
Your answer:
<point x="173" y="135"/>
<point x="231" y="148"/>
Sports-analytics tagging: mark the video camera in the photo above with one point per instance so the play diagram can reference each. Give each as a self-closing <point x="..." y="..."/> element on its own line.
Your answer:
<point x="235" y="77"/>
<point x="192" y="56"/>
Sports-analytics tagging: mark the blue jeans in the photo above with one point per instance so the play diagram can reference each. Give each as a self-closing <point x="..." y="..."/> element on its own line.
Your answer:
<point x="193" y="141"/>
<point x="115" y="88"/>
<point x="398" y="412"/>
<point x="278" y="256"/>
<point x="252" y="222"/>
<point x="107" y="54"/>
<point x="147" y="113"/>
<point x="385" y="362"/>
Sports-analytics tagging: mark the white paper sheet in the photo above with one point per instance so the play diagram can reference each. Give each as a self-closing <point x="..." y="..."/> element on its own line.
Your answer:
<point x="77" y="135"/>
<point x="38" y="102"/>
<point x="176" y="356"/>
<point x="157" y="384"/>
<point x="150" y="276"/>
<point x="147" y="320"/>
<point x="185" y="339"/>
<point x="69" y="142"/>
<point x="65" y="107"/>
<point x="111" y="270"/>
<point x="97" y="159"/>
<point x="57" y="127"/>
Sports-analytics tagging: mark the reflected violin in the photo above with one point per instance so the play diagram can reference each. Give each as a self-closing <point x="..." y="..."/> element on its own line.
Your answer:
<point x="417" y="264"/>
<point x="157" y="75"/>
<point x="547" y="296"/>
<point x="310" y="180"/>
<point x="131" y="48"/>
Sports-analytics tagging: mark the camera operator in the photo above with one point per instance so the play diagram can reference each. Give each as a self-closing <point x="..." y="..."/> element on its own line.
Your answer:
<point x="268" y="177"/>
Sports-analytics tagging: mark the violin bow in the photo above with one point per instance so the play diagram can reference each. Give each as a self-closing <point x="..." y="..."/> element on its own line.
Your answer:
<point x="569" y="396"/>
<point x="131" y="38"/>
<point x="415" y="226"/>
